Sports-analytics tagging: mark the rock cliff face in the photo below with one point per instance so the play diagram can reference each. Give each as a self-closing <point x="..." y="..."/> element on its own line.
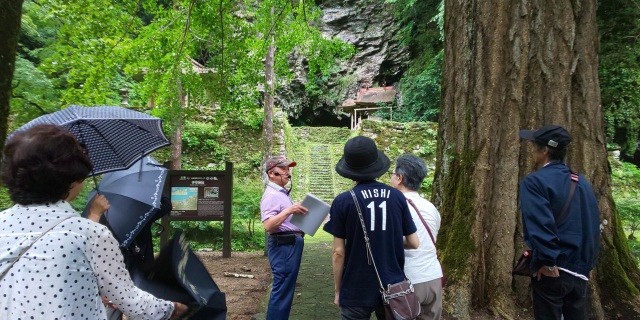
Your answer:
<point x="379" y="60"/>
<point x="370" y="27"/>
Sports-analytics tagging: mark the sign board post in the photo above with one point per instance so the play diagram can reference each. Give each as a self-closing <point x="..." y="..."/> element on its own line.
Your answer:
<point x="201" y="195"/>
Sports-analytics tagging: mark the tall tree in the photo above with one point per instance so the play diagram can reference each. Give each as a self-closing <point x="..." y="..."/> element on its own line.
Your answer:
<point x="10" y="14"/>
<point x="512" y="65"/>
<point x="269" y="91"/>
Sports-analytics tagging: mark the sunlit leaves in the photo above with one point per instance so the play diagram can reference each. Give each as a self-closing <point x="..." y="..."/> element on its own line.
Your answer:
<point x="158" y="51"/>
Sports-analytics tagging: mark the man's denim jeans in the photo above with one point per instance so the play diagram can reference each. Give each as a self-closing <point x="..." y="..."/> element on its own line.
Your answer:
<point x="285" y="264"/>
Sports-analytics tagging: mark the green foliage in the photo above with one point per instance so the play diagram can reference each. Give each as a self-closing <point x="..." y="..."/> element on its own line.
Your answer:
<point x="201" y="137"/>
<point x="626" y="194"/>
<point x="33" y="93"/>
<point x="619" y="72"/>
<point x="421" y="93"/>
<point x="5" y="201"/>
<point x="247" y="194"/>
<point x="209" y="234"/>
<point x="321" y="56"/>
<point x="86" y="57"/>
<point x="634" y="247"/>
<point x="85" y="52"/>
<point x="629" y="211"/>
<point x="391" y="137"/>
<point x="422" y="24"/>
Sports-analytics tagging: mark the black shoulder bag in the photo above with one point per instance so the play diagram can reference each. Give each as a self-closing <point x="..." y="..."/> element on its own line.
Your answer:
<point x="521" y="268"/>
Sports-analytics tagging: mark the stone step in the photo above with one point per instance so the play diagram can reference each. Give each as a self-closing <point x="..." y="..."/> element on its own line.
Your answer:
<point x="321" y="175"/>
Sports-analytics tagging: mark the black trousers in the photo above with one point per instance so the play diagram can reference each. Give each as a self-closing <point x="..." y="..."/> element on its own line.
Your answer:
<point x="555" y="297"/>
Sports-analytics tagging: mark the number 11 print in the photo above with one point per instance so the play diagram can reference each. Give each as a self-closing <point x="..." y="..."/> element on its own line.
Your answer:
<point x="372" y="209"/>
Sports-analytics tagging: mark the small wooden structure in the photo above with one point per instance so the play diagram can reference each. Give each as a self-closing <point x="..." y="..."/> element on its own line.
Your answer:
<point x="368" y="100"/>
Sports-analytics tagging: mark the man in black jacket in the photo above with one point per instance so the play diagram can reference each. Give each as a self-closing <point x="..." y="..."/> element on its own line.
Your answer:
<point x="565" y="248"/>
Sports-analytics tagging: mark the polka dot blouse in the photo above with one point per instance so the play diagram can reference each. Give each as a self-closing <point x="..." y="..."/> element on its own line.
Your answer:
<point x="65" y="273"/>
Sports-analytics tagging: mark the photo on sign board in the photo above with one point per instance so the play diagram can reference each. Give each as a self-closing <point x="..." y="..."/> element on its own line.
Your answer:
<point x="211" y="192"/>
<point x="184" y="198"/>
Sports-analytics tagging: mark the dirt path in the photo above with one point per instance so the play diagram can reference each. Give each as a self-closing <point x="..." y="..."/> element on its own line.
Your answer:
<point x="245" y="297"/>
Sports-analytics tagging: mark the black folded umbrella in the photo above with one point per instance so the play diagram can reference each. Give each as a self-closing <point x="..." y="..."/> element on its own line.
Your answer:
<point x="178" y="275"/>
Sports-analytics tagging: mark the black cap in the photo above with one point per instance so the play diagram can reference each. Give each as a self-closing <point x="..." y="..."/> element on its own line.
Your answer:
<point x="552" y="136"/>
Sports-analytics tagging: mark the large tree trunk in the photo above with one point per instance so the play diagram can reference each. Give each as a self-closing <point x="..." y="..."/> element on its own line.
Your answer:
<point x="512" y="65"/>
<point x="10" y="14"/>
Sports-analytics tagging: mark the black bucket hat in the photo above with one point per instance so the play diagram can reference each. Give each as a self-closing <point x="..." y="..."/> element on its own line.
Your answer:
<point x="362" y="161"/>
<point x="550" y="135"/>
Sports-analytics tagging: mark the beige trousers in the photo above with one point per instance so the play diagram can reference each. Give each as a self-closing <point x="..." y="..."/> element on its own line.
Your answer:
<point x="430" y="296"/>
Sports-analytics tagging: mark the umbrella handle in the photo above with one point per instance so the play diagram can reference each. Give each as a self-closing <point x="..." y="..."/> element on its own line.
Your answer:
<point x="140" y="170"/>
<point x="95" y="182"/>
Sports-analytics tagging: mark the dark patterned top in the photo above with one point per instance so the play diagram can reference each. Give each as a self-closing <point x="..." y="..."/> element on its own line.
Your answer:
<point x="65" y="272"/>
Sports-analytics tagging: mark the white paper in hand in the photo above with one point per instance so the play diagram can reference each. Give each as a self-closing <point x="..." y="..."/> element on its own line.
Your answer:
<point x="311" y="221"/>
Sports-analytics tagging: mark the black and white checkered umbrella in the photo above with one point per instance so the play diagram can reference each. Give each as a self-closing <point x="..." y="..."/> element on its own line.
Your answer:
<point x="115" y="137"/>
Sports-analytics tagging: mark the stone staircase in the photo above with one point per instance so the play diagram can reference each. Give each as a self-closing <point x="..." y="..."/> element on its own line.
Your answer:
<point x="317" y="150"/>
<point x="321" y="173"/>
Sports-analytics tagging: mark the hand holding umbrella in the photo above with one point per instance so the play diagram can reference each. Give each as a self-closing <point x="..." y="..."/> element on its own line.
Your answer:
<point x="134" y="198"/>
<point x="99" y="205"/>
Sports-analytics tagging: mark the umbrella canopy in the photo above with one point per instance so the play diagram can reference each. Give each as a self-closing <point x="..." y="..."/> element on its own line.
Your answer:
<point x="115" y="137"/>
<point x="134" y="197"/>
<point x="178" y="275"/>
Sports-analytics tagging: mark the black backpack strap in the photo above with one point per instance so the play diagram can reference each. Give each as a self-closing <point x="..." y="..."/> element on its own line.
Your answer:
<point x="574" y="183"/>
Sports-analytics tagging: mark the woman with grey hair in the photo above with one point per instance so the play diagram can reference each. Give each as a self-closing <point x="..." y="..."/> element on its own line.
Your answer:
<point x="421" y="265"/>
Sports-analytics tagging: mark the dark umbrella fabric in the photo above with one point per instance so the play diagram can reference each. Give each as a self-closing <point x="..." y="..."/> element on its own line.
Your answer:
<point x="134" y="197"/>
<point x="178" y="275"/>
<point x="115" y="137"/>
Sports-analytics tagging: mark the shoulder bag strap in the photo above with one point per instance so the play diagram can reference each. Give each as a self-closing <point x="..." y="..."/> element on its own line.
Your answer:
<point x="29" y="247"/>
<point x="366" y="240"/>
<point x="574" y="183"/>
<point x="424" y="223"/>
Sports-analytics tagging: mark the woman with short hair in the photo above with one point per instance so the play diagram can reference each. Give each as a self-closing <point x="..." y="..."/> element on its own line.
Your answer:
<point x="421" y="265"/>
<point x="53" y="263"/>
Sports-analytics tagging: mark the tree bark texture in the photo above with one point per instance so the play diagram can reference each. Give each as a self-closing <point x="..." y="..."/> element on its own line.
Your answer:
<point x="512" y="65"/>
<point x="10" y="15"/>
<point x="178" y="124"/>
<point x="269" y="75"/>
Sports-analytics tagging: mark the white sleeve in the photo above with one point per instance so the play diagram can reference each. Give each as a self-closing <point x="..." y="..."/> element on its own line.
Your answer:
<point x="115" y="283"/>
